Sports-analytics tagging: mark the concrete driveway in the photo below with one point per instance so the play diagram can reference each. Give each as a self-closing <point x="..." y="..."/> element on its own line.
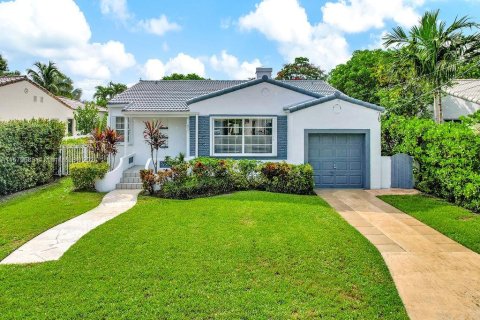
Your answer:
<point x="436" y="277"/>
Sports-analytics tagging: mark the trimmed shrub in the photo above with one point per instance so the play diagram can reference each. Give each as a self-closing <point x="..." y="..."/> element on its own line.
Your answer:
<point x="27" y="152"/>
<point x="210" y="176"/>
<point x="84" y="174"/>
<point x="447" y="156"/>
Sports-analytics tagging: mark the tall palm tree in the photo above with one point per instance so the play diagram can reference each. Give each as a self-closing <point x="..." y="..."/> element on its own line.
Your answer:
<point x="436" y="50"/>
<point x="105" y="93"/>
<point x="46" y="75"/>
<point x="52" y="79"/>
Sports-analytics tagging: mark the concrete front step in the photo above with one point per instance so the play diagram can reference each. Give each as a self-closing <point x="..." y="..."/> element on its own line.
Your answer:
<point x="131" y="174"/>
<point x="131" y="180"/>
<point x="124" y="186"/>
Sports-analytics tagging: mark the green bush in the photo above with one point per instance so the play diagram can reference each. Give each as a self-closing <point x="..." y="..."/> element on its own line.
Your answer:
<point x="28" y="149"/>
<point x="84" y="174"/>
<point x="210" y="176"/>
<point x="447" y="156"/>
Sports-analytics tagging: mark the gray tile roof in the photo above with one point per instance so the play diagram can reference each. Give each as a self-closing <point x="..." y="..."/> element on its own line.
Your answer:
<point x="172" y="95"/>
<point x="74" y="104"/>
<point x="10" y="79"/>
<point x="467" y="89"/>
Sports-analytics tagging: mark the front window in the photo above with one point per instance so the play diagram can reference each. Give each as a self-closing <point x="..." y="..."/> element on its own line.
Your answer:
<point x="243" y="136"/>
<point x="122" y="128"/>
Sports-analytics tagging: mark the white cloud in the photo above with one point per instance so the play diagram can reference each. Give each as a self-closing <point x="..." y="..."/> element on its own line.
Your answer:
<point x="32" y="28"/>
<point x="155" y="69"/>
<point x="230" y="65"/>
<point x="117" y="8"/>
<point x="361" y="15"/>
<point x="158" y="26"/>
<point x="286" y="22"/>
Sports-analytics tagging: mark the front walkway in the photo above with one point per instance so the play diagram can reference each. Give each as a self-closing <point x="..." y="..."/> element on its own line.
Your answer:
<point x="436" y="277"/>
<point x="53" y="243"/>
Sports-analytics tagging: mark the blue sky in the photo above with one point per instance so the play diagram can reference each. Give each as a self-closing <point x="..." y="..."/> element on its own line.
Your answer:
<point x="95" y="41"/>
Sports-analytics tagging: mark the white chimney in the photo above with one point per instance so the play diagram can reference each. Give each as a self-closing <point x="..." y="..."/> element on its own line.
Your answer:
<point x="261" y="72"/>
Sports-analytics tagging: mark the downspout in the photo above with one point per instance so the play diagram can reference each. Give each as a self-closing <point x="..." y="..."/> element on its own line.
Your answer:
<point x="196" y="135"/>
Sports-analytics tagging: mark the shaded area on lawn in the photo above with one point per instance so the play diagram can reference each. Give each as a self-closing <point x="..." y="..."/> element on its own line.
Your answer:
<point x="254" y="255"/>
<point x="26" y="216"/>
<point x="455" y="222"/>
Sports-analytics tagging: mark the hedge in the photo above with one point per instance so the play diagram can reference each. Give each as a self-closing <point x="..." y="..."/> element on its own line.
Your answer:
<point x="210" y="176"/>
<point x="84" y="174"/>
<point x="447" y="156"/>
<point x="27" y="151"/>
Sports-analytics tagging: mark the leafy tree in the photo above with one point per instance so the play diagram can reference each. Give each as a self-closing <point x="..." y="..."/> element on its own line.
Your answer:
<point x="51" y="78"/>
<point x="379" y="77"/>
<point x="104" y="93"/>
<point x="301" y="69"/>
<point x="358" y="77"/>
<point x="179" y="76"/>
<point x="436" y="50"/>
<point x="4" y="71"/>
<point x="470" y="69"/>
<point x="87" y="118"/>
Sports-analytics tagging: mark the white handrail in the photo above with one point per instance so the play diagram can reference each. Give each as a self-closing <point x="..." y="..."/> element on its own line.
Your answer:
<point x="149" y="162"/>
<point x="109" y="182"/>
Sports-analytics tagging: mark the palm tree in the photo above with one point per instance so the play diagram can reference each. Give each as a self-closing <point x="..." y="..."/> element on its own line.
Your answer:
<point x="436" y="50"/>
<point x="52" y="79"/>
<point x="105" y="93"/>
<point x="47" y="76"/>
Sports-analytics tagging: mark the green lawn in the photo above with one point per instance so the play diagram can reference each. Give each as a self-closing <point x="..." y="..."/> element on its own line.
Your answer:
<point x="25" y="216"/>
<point x="455" y="222"/>
<point x="248" y="255"/>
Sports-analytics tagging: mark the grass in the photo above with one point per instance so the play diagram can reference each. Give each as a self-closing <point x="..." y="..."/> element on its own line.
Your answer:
<point x="25" y="216"/>
<point x="455" y="222"/>
<point x="247" y="255"/>
<point x="74" y="141"/>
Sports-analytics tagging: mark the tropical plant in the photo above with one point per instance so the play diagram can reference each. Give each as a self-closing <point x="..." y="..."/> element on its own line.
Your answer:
<point x="436" y="50"/>
<point x="301" y="69"/>
<point x="52" y="79"/>
<point x="103" y="144"/>
<point x="112" y="138"/>
<point x="4" y="71"/>
<point x="104" y="93"/>
<point x="87" y="118"/>
<point x="155" y="138"/>
<point x="179" y="76"/>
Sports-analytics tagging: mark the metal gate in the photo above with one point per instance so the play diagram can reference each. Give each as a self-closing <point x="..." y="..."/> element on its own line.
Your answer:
<point x="69" y="155"/>
<point x="402" y="171"/>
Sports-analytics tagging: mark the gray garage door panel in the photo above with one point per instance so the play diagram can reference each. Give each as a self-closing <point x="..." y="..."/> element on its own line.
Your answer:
<point x="338" y="160"/>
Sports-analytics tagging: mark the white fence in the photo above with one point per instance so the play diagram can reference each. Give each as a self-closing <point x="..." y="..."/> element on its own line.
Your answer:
<point x="69" y="155"/>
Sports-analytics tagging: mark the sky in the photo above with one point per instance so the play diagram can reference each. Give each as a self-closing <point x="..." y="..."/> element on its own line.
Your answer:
<point x="97" y="41"/>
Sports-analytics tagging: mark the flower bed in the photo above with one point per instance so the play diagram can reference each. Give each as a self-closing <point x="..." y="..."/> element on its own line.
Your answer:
<point x="210" y="176"/>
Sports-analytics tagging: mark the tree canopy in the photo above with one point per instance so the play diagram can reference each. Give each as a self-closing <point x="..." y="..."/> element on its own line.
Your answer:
<point x="301" y="69"/>
<point x="436" y="50"/>
<point x="87" y="118"/>
<point x="179" y="76"/>
<point x="104" y="93"/>
<point x="51" y="78"/>
<point x="379" y="77"/>
<point x="4" y="71"/>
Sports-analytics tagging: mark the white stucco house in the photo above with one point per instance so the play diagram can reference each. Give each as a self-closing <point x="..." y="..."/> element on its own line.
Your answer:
<point x="298" y="121"/>
<point x="462" y="98"/>
<point x="21" y="98"/>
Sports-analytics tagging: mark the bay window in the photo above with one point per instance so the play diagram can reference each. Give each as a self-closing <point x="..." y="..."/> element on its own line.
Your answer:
<point x="244" y="136"/>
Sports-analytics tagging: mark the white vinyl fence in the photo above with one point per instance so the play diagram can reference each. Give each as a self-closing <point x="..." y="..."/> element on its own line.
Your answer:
<point x="69" y="155"/>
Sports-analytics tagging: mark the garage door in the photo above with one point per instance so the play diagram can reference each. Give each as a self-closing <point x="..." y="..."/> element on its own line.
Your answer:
<point x="338" y="160"/>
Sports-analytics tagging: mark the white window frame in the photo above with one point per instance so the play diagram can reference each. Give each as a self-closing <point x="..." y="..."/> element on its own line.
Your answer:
<point x="128" y="130"/>
<point x="253" y="155"/>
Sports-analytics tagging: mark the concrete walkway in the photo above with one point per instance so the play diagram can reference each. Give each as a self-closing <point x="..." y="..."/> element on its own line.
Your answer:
<point x="53" y="243"/>
<point x="436" y="277"/>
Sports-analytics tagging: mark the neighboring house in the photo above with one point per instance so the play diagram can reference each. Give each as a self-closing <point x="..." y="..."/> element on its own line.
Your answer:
<point x="462" y="99"/>
<point x="75" y="104"/>
<point x="21" y="98"/>
<point x="298" y="121"/>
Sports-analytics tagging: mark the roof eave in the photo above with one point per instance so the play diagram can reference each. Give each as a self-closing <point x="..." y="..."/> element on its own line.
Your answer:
<point x="252" y="83"/>
<point x="334" y="96"/>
